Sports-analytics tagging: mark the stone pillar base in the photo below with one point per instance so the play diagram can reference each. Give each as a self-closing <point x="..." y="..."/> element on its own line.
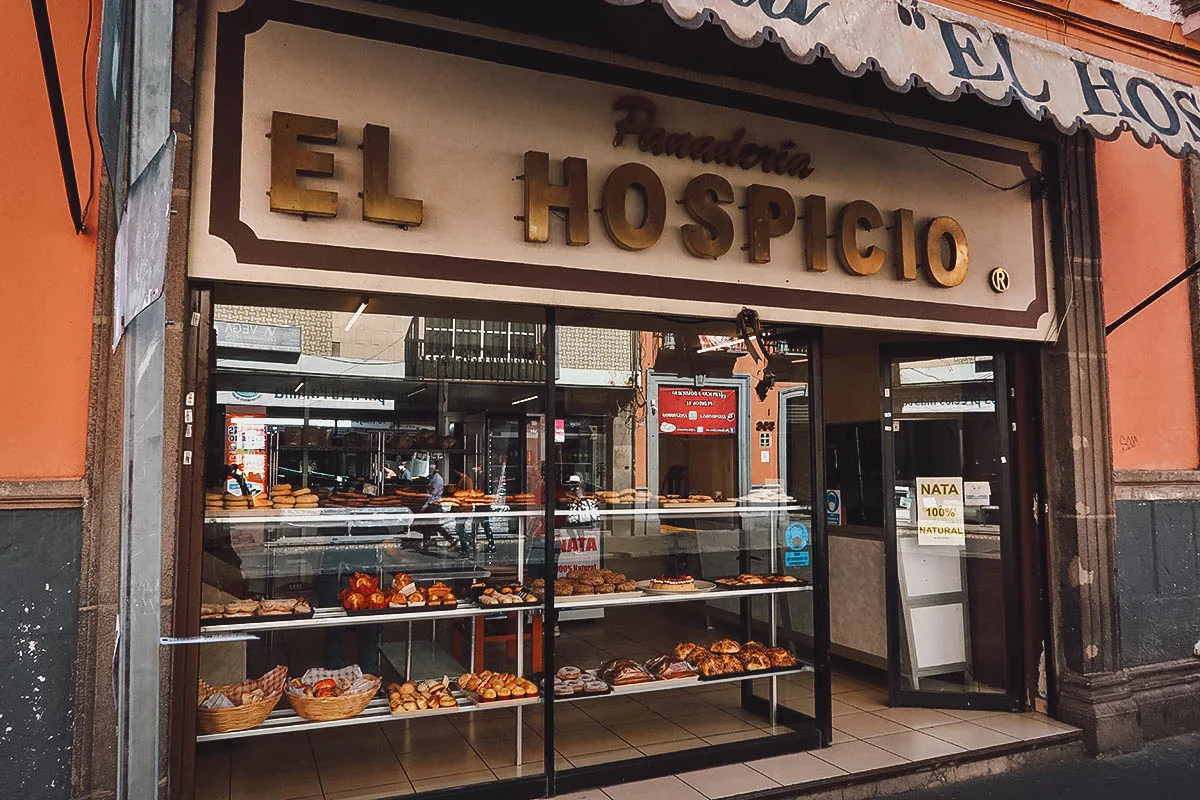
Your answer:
<point x="1120" y="711"/>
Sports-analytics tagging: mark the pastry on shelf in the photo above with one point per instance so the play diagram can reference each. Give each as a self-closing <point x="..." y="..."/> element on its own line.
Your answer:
<point x="755" y="661"/>
<point x="411" y="696"/>
<point x="512" y="594"/>
<point x="725" y="647"/>
<point x="667" y="667"/>
<point x="780" y="657"/>
<point x="710" y="666"/>
<point x="673" y="583"/>
<point x="490" y="686"/>
<point x="623" y="672"/>
<point x="684" y="650"/>
<point x="241" y="608"/>
<point x="747" y="580"/>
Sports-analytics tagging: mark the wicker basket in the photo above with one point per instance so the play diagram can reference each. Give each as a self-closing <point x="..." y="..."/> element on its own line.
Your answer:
<point x="243" y="717"/>
<point x="327" y="709"/>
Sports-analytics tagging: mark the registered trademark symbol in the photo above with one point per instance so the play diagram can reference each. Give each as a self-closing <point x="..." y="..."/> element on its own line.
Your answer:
<point x="999" y="280"/>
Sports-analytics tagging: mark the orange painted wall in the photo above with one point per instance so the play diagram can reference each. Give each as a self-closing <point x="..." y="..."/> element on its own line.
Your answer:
<point x="1142" y="246"/>
<point x="46" y="285"/>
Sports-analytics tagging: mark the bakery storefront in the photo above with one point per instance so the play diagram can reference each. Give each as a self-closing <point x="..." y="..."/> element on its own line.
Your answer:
<point x="562" y="418"/>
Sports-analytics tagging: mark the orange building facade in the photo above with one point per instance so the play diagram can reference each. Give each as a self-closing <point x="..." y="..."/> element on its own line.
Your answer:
<point x="47" y="325"/>
<point x="1131" y="452"/>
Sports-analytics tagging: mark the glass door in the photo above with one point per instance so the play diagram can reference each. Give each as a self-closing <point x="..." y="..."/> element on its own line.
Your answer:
<point x="952" y="619"/>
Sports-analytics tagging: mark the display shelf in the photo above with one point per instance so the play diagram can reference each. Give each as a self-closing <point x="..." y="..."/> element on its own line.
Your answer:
<point x="601" y="601"/>
<point x="381" y="516"/>
<point x="336" y="617"/>
<point x="682" y="683"/>
<point x="302" y="516"/>
<point x="285" y="720"/>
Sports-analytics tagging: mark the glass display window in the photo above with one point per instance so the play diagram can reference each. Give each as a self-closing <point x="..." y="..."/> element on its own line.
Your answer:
<point x="509" y="549"/>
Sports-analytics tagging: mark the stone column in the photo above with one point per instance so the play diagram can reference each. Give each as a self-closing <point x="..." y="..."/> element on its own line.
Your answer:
<point x="1081" y="521"/>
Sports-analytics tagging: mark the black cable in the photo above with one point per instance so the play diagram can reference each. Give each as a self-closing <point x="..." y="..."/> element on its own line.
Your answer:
<point x="1166" y="287"/>
<point x="961" y="168"/>
<point x="58" y="114"/>
<point x="87" y="124"/>
<point x="980" y="178"/>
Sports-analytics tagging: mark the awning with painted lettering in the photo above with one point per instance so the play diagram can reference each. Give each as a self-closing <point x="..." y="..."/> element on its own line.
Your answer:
<point x="917" y="44"/>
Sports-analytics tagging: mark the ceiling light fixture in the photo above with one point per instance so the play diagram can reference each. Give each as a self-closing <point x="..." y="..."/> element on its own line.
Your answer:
<point x="525" y="400"/>
<point x="353" y="319"/>
<point x="299" y="386"/>
<point x="417" y="391"/>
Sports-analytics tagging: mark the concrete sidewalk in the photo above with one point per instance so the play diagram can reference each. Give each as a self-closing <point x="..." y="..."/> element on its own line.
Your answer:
<point x="1165" y="770"/>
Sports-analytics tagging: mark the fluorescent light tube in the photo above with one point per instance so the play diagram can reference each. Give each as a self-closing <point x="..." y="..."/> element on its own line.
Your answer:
<point x="353" y="319"/>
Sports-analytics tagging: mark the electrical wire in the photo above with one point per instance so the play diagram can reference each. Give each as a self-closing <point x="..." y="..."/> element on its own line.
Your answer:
<point x="87" y="115"/>
<point x="961" y="168"/>
<point x="87" y="123"/>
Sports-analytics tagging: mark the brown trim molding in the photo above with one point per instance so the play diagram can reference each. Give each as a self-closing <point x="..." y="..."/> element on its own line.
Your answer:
<point x="224" y="210"/>
<point x="42" y="494"/>
<point x="1157" y="484"/>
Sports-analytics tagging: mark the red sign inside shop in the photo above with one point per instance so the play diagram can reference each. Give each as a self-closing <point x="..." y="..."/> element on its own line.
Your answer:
<point x="686" y="411"/>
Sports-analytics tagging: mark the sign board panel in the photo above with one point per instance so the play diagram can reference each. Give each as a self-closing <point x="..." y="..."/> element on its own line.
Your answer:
<point x="697" y="412"/>
<point x="254" y="337"/>
<point x="940" y="512"/>
<point x="454" y="143"/>
<point x="835" y="514"/>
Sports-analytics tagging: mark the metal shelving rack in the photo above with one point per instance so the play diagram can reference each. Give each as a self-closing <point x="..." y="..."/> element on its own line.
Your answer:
<point x="284" y="720"/>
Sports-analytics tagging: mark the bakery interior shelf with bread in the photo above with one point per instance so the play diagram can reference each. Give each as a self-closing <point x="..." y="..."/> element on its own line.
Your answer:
<point x="395" y="514"/>
<point x="285" y="720"/>
<point x="337" y="617"/>
<point x="629" y="599"/>
<point x="664" y="686"/>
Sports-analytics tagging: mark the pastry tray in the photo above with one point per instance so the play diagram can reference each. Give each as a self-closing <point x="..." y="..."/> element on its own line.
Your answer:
<point x="766" y="587"/>
<point x="702" y="587"/>
<point x="755" y="673"/>
<point x="507" y="606"/>
<point x="570" y="599"/>
<point x="254" y="618"/>
<point x="460" y="698"/>
<point x="370" y="612"/>
<point x="476" y="699"/>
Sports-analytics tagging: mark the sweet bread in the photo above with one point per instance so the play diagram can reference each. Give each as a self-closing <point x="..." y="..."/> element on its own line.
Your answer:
<point x="755" y="661"/>
<point x="684" y="649"/>
<point x="780" y="657"/>
<point x="725" y="647"/>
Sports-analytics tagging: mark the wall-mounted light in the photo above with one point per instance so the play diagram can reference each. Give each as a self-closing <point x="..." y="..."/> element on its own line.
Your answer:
<point x="525" y="400"/>
<point x="354" y="318"/>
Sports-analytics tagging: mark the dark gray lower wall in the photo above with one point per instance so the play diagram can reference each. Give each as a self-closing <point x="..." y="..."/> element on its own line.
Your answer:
<point x="39" y="577"/>
<point x="1158" y="556"/>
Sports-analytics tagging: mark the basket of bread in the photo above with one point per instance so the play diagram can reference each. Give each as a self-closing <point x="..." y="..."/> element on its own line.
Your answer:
<point x="240" y="706"/>
<point x="324" y="695"/>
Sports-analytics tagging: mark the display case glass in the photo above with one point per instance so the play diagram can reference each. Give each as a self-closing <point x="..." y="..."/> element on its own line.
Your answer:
<point x="559" y="547"/>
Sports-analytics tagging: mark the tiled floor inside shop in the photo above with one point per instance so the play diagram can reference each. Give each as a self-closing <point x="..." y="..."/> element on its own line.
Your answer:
<point x="405" y="756"/>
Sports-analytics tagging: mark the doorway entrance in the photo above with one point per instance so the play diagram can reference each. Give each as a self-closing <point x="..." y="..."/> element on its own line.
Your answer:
<point x="951" y="566"/>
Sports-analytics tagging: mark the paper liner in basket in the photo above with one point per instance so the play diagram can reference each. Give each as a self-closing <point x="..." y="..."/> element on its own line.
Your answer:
<point x="271" y="683"/>
<point x="352" y="675"/>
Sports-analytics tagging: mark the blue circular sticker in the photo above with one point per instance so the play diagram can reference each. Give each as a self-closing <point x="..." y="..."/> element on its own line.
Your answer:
<point x="832" y="501"/>
<point x="797" y="536"/>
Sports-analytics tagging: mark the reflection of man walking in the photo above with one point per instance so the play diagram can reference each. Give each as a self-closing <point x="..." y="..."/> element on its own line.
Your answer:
<point x="466" y="544"/>
<point x="437" y="487"/>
